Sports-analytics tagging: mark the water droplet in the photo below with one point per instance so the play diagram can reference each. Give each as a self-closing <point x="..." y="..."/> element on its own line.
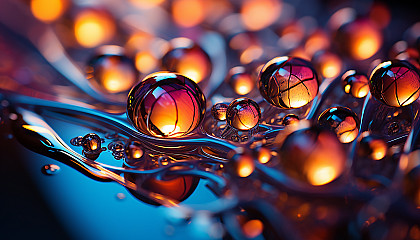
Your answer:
<point x="288" y="82"/>
<point x="111" y="71"/>
<point x="77" y="141"/>
<point x="342" y="121"/>
<point x="372" y="146"/>
<point x="240" y="80"/>
<point x="241" y="162"/>
<point x="355" y="83"/>
<point x="121" y="196"/>
<point x="218" y="111"/>
<point x="395" y="83"/>
<point x="290" y="119"/>
<point x="50" y="169"/>
<point x="188" y="59"/>
<point x="13" y="116"/>
<point x="91" y="144"/>
<point x="243" y="114"/>
<point x="166" y="105"/>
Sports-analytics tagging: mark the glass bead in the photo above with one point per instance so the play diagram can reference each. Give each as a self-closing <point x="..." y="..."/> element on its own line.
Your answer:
<point x="290" y="119"/>
<point x="288" y="82"/>
<point x="342" y="121"/>
<point x="395" y="83"/>
<point x="243" y="114"/>
<point x="372" y="146"/>
<point x="110" y="71"/>
<point x="241" y="162"/>
<point x="218" y="111"/>
<point x="312" y="156"/>
<point x="166" y="104"/>
<point x="240" y="80"/>
<point x="355" y="83"/>
<point x="187" y="58"/>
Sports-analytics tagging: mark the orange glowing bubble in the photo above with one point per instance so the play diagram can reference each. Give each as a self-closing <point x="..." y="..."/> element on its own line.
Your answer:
<point x="48" y="10"/>
<point x="139" y="41"/>
<point x="364" y="39"/>
<point x="258" y="14"/>
<point x="240" y="80"/>
<point x="187" y="58"/>
<point x="355" y="84"/>
<point x="188" y="13"/>
<point x="111" y="71"/>
<point x="264" y="155"/>
<point x="372" y="146"/>
<point x="329" y="64"/>
<point x="145" y="62"/>
<point x="218" y="111"/>
<point x="253" y="228"/>
<point x="243" y="114"/>
<point x="241" y="162"/>
<point x="342" y="121"/>
<point x="93" y="27"/>
<point x="313" y="156"/>
<point x="250" y="54"/>
<point x="166" y="105"/>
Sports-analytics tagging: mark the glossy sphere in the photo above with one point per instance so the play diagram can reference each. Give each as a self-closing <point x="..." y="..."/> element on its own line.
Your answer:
<point x="243" y="114"/>
<point x="187" y="58"/>
<point x="91" y="142"/>
<point x="395" y="83"/>
<point x="166" y="105"/>
<point x="240" y="80"/>
<point x="290" y="119"/>
<point x="372" y="146"/>
<point x="342" y="121"/>
<point x="241" y="162"/>
<point x="218" y="111"/>
<point x="288" y="82"/>
<point x="313" y="155"/>
<point x="356" y="84"/>
<point x="111" y="71"/>
<point x="133" y="150"/>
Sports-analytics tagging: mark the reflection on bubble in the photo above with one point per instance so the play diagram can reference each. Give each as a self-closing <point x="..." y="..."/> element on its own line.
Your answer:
<point x="243" y="114"/>
<point x="342" y="121"/>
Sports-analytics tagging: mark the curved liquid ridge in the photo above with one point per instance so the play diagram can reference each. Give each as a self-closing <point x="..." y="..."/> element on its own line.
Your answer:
<point x="317" y="151"/>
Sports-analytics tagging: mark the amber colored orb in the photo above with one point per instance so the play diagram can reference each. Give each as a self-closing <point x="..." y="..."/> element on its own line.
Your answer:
<point x="109" y="70"/>
<point x="240" y="80"/>
<point x="187" y="58"/>
<point x="342" y="121"/>
<point x="356" y="84"/>
<point x="288" y="82"/>
<point x="166" y="104"/>
<point x="372" y="146"/>
<point x="218" y="111"/>
<point x="312" y="156"/>
<point x="243" y="114"/>
<point x="395" y="83"/>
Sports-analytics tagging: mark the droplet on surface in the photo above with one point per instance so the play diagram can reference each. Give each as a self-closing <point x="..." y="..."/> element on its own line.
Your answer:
<point x="290" y="119"/>
<point x="111" y="71"/>
<point x="166" y="104"/>
<point x="240" y="80"/>
<point x="188" y="59"/>
<point x="50" y="169"/>
<point x="243" y="114"/>
<point x="355" y="83"/>
<point x="241" y="162"/>
<point x="312" y="156"/>
<point x="342" y="121"/>
<point x="91" y="144"/>
<point x="121" y="196"/>
<point x="372" y="146"/>
<point x="288" y="82"/>
<point x="218" y="111"/>
<point x="395" y="83"/>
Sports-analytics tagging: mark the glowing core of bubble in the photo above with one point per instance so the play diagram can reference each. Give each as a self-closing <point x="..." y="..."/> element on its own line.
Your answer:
<point x="243" y="114"/>
<point x="166" y="105"/>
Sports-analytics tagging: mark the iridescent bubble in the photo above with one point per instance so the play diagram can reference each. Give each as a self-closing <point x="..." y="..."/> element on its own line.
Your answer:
<point x="355" y="83"/>
<point x="288" y="82"/>
<point x="166" y="104"/>
<point x="218" y="111"/>
<point x="187" y="58"/>
<point x="342" y="121"/>
<point x="240" y="80"/>
<point x="395" y="83"/>
<point x="109" y="70"/>
<point x="313" y="156"/>
<point x="50" y="169"/>
<point x="243" y="114"/>
<point x="372" y="146"/>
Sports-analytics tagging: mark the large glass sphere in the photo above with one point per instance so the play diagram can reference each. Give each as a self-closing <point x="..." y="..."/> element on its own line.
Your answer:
<point x="288" y="82"/>
<point x="243" y="114"/>
<point x="313" y="156"/>
<point x="395" y="83"/>
<point x="166" y="104"/>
